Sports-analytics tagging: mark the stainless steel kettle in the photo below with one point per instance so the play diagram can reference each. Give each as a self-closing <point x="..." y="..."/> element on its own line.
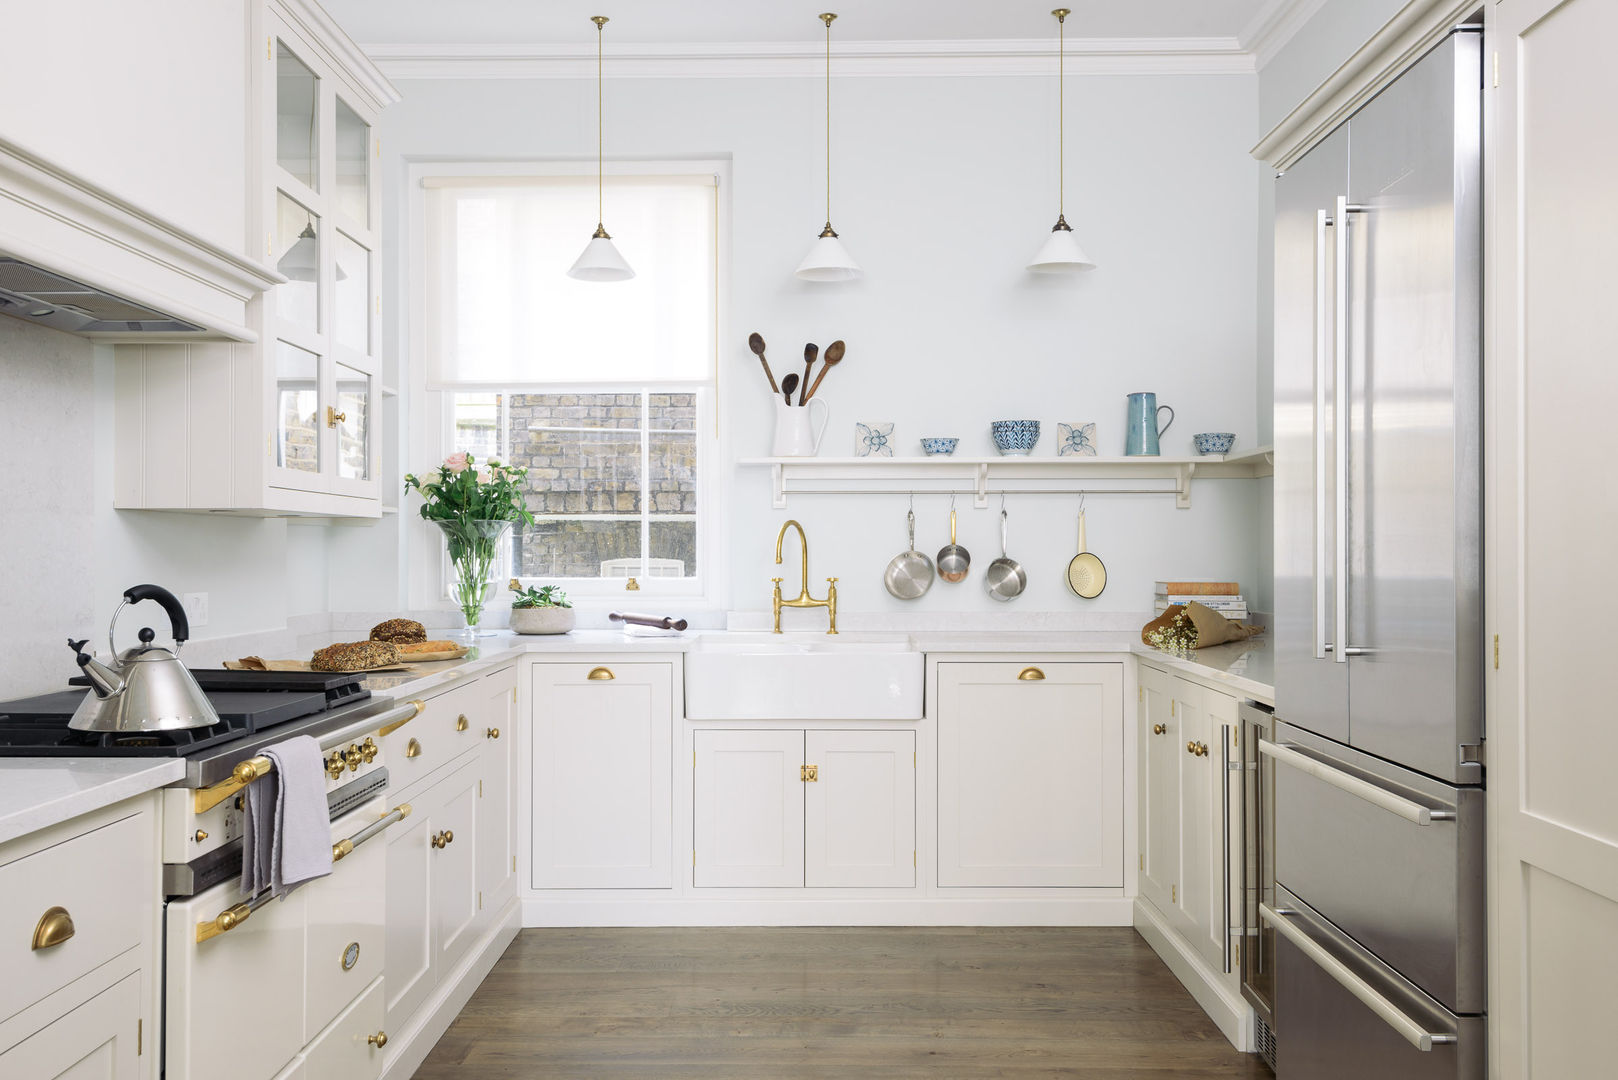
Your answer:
<point x="148" y="689"/>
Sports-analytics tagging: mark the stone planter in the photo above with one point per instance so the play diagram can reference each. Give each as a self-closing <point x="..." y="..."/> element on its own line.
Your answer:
<point x="543" y="620"/>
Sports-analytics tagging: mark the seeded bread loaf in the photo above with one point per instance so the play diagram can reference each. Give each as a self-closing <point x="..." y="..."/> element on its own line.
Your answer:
<point x="355" y="656"/>
<point x="399" y="631"/>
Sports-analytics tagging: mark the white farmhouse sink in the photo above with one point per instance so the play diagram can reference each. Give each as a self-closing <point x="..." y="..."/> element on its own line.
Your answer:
<point x="803" y="676"/>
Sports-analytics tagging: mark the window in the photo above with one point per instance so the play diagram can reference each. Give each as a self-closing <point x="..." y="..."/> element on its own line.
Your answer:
<point x="603" y="391"/>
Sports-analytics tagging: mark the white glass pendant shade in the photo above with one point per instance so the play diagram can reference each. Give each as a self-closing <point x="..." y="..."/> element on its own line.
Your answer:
<point x="1061" y="253"/>
<point x="829" y="260"/>
<point x="302" y="260"/>
<point x="600" y="261"/>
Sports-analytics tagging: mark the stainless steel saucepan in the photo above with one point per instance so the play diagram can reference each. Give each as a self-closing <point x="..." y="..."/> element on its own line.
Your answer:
<point x="953" y="559"/>
<point x="1005" y="578"/>
<point x="909" y="573"/>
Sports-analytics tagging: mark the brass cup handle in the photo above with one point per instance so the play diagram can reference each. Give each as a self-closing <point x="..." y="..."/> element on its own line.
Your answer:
<point x="443" y="839"/>
<point x="412" y="749"/>
<point x="492" y="733"/>
<point x="379" y="1040"/>
<point x="1030" y="674"/>
<point x="600" y="674"/>
<point x="462" y="723"/>
<point x="54" y="927"/>
<point x="1160" y="729"/>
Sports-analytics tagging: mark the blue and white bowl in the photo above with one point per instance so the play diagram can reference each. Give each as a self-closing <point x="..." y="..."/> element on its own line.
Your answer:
<point x="936" y="446"/>
<point x="1015" y="438"/>
<point x="1214" y="442"/>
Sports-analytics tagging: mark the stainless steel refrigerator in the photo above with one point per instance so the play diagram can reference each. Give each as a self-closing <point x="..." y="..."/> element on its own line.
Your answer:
<point x="1378" y="910"/>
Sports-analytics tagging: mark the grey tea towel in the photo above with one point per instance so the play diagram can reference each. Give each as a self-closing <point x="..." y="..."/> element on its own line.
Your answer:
<point x="286" y="828"/>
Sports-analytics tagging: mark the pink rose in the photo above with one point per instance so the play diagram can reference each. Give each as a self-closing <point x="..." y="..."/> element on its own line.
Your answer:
<point x="456" y="463"/>
<point x="485" y="476"/>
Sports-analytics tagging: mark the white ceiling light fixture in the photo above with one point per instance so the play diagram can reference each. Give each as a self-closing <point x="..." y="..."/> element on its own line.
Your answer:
<point x="600" y="260"/>
<point x="1061" y="254"/>
<point x="828" y="259"/>
<point x="302" y="260"/>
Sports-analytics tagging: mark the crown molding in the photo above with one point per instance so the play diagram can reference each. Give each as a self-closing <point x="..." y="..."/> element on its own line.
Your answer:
<point x="1275" y="24"/>
<point x="1009" y="57"/>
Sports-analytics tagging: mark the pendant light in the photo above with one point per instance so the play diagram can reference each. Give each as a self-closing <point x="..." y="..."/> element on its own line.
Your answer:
<point x="828" y="260"/>
<point x="600" y="260"/>
<point x="1061" y="254"/>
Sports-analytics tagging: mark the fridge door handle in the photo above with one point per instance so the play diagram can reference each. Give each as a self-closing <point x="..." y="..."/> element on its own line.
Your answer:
<point x="1340" y="427"/>
<point x="1398" y="805"/>
<point x="1413" y="1031"/>
<point x="1323" y="372"/>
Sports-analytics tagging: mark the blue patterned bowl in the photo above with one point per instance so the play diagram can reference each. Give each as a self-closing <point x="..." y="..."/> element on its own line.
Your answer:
<point x="1214" y="442"/>
<point x="935" y="446"/>
<point x="1015" y="438"/>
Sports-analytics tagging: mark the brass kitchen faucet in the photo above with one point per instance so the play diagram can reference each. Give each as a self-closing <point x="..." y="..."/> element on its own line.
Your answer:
<point x="804" y="599"/>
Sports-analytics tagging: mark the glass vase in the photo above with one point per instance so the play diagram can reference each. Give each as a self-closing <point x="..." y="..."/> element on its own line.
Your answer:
<point x="474" y="551"/>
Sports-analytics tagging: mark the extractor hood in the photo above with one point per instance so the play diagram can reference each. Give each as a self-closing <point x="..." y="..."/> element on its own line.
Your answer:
<point x="39" y="296"/>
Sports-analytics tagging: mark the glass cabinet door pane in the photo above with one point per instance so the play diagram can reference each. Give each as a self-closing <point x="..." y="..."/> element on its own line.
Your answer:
<point x="297" y="136"/>
<point x="297" y="238"/>
<point x="353" y="295"/>
<point x="297" y="408"/>
<point x="353" y="165"/>
<point x="353" y="424"/>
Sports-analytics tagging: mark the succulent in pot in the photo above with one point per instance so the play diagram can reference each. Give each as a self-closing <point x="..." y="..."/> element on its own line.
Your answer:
<point x="544" y="610"/>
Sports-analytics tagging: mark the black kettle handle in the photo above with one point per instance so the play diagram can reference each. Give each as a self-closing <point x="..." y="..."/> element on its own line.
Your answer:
<point x="170" y="603"/>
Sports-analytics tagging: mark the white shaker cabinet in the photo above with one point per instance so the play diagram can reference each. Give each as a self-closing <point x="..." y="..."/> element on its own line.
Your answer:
<point x="1030" y="774"/>
<point x="860" y="809"/>
<point x="602" y="769"/>
<point x="494" y="725"/>
<point x="96" y="1041"/>
<point x="1159" y="790"/>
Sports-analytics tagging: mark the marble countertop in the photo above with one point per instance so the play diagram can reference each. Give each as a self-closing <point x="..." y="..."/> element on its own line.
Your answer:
<point x="36" y="793"/>
<point x="1245" y="667"/>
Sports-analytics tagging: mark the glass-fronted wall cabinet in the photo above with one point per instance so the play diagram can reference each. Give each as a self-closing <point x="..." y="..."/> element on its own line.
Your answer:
<point x="288" y="425"/>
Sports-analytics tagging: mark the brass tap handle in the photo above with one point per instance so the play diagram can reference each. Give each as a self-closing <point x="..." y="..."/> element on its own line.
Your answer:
<point x="492" y="733"/>
<point x="53" y="928"/>
<point x="831" y="604"/>
<point x="379" y="1040"/>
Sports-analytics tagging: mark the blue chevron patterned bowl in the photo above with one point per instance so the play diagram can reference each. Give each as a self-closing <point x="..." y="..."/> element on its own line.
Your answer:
<point x="1015" y="438"/>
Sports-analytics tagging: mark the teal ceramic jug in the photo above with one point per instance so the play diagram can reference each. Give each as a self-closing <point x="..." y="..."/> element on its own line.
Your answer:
<point x="1143" y="432"/>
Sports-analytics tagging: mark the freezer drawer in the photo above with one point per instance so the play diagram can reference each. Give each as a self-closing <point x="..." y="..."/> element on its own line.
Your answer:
<point x="1347" y="1016"/>
<point x="1393" y="858"/>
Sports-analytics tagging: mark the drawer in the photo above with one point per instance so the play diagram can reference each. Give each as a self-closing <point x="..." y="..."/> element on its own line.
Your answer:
<point x="1337" y="812"/>
<point x="351" y="1048"/>
<point x="447" y="728"/>
<point x="105" y="880"/>
<point x="344" y="937"/>
<point x="102" y="1037"/>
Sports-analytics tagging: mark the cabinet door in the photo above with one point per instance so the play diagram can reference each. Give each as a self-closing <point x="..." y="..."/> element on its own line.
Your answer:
<point x="96" y="1041"/>
<point x="749" y="808"/>
<point x="1160" y="790"/>
<point x="1223" y="835"/>
<point x="348" y="1050"/>
<point x="497" y="803"/>
<point x="1030" y="774"/>
<point x="344" y="939"/>
<point x="453" y="844"/>
<point x="1190" y="905"/>
<point x="602" y="754"/>
<point x="410" y="974"/>
<point x="860" y="809"/>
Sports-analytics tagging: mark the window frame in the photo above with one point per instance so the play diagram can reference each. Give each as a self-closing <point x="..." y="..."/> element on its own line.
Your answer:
<point x="428" y="433"/>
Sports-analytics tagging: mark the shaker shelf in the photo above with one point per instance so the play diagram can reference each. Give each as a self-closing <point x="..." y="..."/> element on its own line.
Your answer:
<point x="982" y="477"/>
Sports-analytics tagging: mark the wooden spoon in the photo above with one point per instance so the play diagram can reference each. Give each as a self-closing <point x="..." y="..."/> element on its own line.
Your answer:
<point x="789" y="384"/>
<point x="755" y="341"/>
<point x="833" y="357"/>
<point x="810" y="351"/>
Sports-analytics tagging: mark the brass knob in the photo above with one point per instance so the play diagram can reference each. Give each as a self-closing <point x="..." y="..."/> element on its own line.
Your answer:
<point x="379" y="1040"/>
<point x="1202" y="749"/>
<point x="1030" y="674"/>
<point x="443" y="839"/>
<point x="1160" y="729"/>
<point x="200" y="836"/>
<point x="462" y="723"/>
<point x="1191" y="748"/>
<point x="354" y="758"/>
<point x="333" y="417"/>
<point x="335" y="765"/>
<point x="600" y="674"/>
<point x="492" y="733"/>
<point x="632" y="586"/>
<point x="412" y="748"/>
<point x="53" y="928"/>
<point x="369" y="750"/>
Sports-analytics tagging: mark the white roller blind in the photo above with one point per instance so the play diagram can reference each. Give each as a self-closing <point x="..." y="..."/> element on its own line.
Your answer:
<point x="502" y="312"/>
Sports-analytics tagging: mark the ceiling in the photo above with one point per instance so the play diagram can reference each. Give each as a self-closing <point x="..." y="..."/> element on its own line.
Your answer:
<point x="564" y="22"/>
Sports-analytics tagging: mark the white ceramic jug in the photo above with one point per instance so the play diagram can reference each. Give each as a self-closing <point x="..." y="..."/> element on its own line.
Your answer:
<point x="795" y="433"/>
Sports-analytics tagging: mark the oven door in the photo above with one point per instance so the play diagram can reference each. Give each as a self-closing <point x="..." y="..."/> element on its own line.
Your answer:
<point x="243" y="1002"/>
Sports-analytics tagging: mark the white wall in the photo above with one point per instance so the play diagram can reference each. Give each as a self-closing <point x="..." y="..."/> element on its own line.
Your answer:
<point x="943" y="189"/>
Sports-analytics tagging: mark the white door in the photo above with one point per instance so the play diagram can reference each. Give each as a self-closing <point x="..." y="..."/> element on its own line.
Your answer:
<point x="1222" y="835"/>
<point x="860" y="809"/>
<point x="1552" y="515"/>
<point x="1030" y="774"/>
<point x="603" y="815"/>
<point x="409" y="968"/>
<point x="453" y="844"/>
<point x="497" y="805"/>
<point x="96" y="1041"/>
<point x="344" y="936"/>
<point x="1192" y="899"/>
<point x="348" y="1050"/>
<point x="749" y="809"/>
<point x="1160" y="791"/>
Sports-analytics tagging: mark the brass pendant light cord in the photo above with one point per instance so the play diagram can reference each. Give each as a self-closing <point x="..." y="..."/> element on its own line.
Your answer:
<point x="827" y="18"/>
<point x="601" y="136"/>
<point x="1061" y="113"/>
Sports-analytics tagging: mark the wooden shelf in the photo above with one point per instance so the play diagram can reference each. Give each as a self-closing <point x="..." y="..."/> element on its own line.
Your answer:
<point x="982" y="477"/>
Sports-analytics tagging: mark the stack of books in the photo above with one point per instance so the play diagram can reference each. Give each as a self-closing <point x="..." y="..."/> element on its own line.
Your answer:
<point x="1224" y="597"/>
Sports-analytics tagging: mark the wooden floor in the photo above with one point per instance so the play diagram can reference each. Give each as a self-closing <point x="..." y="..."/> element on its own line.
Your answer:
<point x="758" y="1003"/>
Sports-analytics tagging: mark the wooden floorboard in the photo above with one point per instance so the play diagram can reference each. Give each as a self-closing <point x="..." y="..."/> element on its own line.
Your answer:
<point x="749" y="1003"/>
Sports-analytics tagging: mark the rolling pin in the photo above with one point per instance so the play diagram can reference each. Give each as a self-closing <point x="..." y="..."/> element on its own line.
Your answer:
<point x="667" y="622"/>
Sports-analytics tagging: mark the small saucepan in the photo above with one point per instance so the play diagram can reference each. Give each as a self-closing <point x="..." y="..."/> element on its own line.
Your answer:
<point x="909" y="573"/>
<point x="1086" y="574"/>
<point x="953" y="559"/>
<point x="1005" y="578"/>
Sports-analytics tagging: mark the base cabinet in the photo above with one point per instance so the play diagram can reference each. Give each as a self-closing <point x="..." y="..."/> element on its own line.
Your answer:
<point x="791" y="809"/>
<point x="96" y="1041"/>
<point x="602" y="776"/>
<point x="497" y="797"/>
<point x="1030" y="774"/>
